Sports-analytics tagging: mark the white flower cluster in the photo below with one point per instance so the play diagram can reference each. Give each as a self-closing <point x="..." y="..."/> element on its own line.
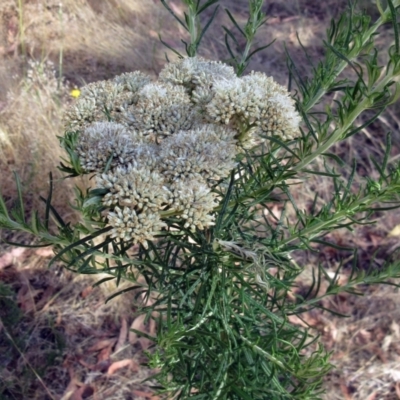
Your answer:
<point x="158" y="148"/>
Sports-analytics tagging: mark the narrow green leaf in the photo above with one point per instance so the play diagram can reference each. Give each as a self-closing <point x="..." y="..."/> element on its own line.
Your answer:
<point x="164" y="3"/>
<point x="144" y="334"/>
<point x="78" y="243"/>
<point x="89" y="252"/>
<point x="114" y="295"/>
<point x="209" y="22"/>
<point x="393" y="14"/>
<point x="282" y="144"/>
<point x="228" y="47"/>
<point x="231" y="35"/>
<point x="29" y="246"/>
<point x="333" y="245"/>
<point x="170" y="48"/>
<point x="352" y="64"/>
<point x="108" y="164"/>
<point x="55" y="213"/>
<point x="234" y="22"/>
<point x="365" y="124"/>
<point x="331" y="175"/>
<point x="98" y="283"/>
<point x="335" y="157"/>
<point x="350" y="181"/>
<point x="259" y="49"/>
<point x="209" y="3"/>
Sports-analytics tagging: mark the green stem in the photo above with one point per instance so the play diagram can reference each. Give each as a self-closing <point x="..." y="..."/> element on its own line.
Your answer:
<point x="342" y="65"/>
<point x="337" y="217"/>
<point x="340" y="132"/>
<point x="246" y="52"/>
<point x="192" y="26"/>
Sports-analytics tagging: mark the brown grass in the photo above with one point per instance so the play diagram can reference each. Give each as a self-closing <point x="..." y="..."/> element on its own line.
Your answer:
<point x="45" y="50"/>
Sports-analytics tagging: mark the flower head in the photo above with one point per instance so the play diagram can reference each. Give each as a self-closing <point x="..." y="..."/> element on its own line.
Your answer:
<point x="137" y="188"/>
<point x="160" y="148"/>
<point x="195" y="203"/>
<point x="101" y="100"/>
<point x="106" y="143"/>
<point x="197" y="75"/>
<point x="161" y="110"/>
<point x="199" y="152"/>
<point x="127" y="224"/>
<point x="254" y="104"/>
<point x="95" y="101"/>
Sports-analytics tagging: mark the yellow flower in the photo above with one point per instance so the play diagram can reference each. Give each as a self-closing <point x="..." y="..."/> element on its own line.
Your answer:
<point x="75" y="93"/>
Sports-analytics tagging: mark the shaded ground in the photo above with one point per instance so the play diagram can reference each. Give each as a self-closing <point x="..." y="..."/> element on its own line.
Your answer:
<point x="58" y="338"/>
<point x="55" y="330"/>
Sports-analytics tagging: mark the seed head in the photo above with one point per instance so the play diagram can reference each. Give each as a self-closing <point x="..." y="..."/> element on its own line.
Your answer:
<point x="140" y="227"/>
<point x="206" y="151"/>
<point x="103" y="143"/>
<point x="137" y="188"/>
<point x="195" y="203"/>
<point x="161" y="110"/>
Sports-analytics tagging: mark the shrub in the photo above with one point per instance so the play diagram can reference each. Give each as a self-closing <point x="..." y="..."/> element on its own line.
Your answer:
<point x="185" y="172"/>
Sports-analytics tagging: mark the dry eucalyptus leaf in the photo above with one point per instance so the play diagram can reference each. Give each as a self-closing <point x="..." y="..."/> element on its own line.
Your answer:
<point x="394" y="232"/>
<point x="115" y="366"/>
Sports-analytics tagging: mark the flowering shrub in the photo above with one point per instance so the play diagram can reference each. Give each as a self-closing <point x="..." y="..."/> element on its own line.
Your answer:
<point x="160" y="149"/>
<point x="183" y="171"/>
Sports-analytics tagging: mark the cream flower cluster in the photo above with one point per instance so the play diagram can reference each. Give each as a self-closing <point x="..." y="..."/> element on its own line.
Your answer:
<point x="158" y="148"/>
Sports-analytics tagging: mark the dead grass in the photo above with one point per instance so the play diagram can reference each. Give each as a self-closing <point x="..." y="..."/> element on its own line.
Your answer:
<point x="63" y="331"/>
<point x="57" y="326"/>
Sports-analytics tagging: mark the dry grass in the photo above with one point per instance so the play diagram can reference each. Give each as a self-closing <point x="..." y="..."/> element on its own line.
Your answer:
<point x="61" y="319"/>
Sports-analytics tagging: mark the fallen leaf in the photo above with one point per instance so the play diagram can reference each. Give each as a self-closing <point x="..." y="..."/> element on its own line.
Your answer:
<point x="105" y="353"/>
<point x="115" y="366"/>
<point x="11" y="257"/>
<point x="363" y="337"/>
<point x="45" y="252"/>
<point x="346" y="392"/>
<point x="102" y="344"/>
<point x="147" y="395"/>
<point x="395" y="328"/>
<point x="123" y="334"/>
<point x="26" y="298"/>
<point x="86" y="292"/>
<point x="394" y="232"/>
